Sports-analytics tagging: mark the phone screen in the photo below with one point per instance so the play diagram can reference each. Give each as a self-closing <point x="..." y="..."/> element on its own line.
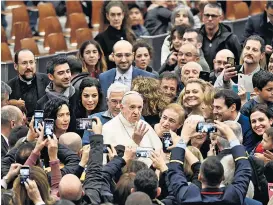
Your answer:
<point x="105" y="150"/>
<point x="38" y="118"/>
<point x="205" y="127"/>
<point x="166" y="141"/>
<point x="144" y="152"/>
<point x="24" y="174"/>
<point x="231" y="61"/>
<point x="235" y="88"/>
<point x="49" y="127"/>
<point x="83" y="123"/>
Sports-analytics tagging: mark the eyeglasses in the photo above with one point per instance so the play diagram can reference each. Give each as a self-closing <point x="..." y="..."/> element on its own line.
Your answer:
<point x="120" y="55"/>
<point x="25" y="63"/>
<point x="213" y="16"/>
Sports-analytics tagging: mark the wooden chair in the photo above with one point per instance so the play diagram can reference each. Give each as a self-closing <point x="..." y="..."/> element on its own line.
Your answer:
<point x="56" y="43"/>
<point x="72" y="7"/>
<point x="96" y="12"/>
<point x="255" y="8"/>
<point x="45" y="10"/>
<point x="230" y="10"/>
<point x="82" y="35"/>
<point x="76" y="20"/>
<point x="29" y="43"/>
<point x="5" y="53"/>
<point x="4" y="38"/>
<point x="19" y="14"/>
<point x="14" y="4"/>
<point x="22" y="30"/>
<point x="241" y="10"/>
<point x="52" y="25"/>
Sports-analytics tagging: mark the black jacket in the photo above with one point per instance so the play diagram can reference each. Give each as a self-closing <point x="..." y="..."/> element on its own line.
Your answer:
<point x="4" y="147"/>
<point x="223" y="39"/>
<point x="192" y="194"/>
<point x="41" y="81"/>
<point x="257" y="25"/>
<point x="157" y="20"/>
<point x="76" y="81"/>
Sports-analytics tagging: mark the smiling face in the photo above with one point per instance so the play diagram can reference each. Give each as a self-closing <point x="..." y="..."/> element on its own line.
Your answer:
<point x="169" y="87"/>
<point x="220" y="111"/>
<point x="61" y="77"/>
<point x="26" y="66"/>
<point x="142" y="58"/>
<point x="194" y="95"/>
<point x="90" y="98"/>
<point x="260" y="122"/>
<point x="91" y="55"/>
<point x="63" y="118"/>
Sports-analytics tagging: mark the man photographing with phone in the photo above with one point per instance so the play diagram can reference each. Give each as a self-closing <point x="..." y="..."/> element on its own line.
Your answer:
<point x="211" y="171"/>
<point x="253" y="53"/>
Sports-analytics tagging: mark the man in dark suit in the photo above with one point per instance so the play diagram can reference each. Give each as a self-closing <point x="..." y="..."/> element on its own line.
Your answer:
<point x="124" y="71"/>
<point x="11" y="117"/>
<point x="28" y="86"/>
<point x="211" y="172"/>
<point x="262" y="25"/>
<point x="226" y="106"/>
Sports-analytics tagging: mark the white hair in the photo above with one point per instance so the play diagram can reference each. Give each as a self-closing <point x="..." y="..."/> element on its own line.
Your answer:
<point x="125" y="96"/>
<point x="117" y="87"/>
<point x="236" y="128"/>
<point x="229" y="170"/>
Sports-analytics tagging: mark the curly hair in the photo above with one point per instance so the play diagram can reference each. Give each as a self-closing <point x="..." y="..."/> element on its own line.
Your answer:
<point x="153" y="99"/>
<point x="53" y="106"/>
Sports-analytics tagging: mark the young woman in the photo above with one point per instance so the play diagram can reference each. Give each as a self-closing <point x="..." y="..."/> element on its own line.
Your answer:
<point x="58" y="110"/>
<point x="92" y="58"/>
<point x="261" y="119"/>
<point x="90" y="98"/>
<point x="143" y="55"/>
<point x="180" y="16"/>
<point x="117" y="30"/>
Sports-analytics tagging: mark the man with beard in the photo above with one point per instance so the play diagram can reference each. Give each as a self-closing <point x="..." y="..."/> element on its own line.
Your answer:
<point x="253" y="53"/>
<point x="124" y="71"/>
<point x="28" y="86"/>
<point x="219" y="63"/>
<point x="226" y="106"/>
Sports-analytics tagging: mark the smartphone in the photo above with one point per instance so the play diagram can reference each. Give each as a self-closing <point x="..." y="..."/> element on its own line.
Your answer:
<point x="166" y="141"/>
<point x="83" y="123"/>
<point x="105" y="148"/>
<point x="235" y="88"/>
<point x="49" y="127"/>
<point x="38" y="118"/>
<point x="206" y="127"/>
<point x="231" y="61"/>
<point x="270" y="190"/>
<point x="24" y="174"/>
<point x="204" y="75"/>
<point x="144" y="152"/>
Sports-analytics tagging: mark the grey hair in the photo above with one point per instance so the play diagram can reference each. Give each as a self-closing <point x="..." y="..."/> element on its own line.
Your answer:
<point x="236" y="128"/>
<point x="183" y="9"/>
<point x="229" y="170"/>
<point x="215" y="5"/>
<point x="5" y="89"/>
<point x="9" y="113"/>
<point x="117" y="87"/>
<point x="125" y="96"/>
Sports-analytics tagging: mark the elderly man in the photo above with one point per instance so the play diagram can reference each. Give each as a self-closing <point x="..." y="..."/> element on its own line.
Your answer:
<point x="5" y="93"/>
<point x="124" y="72"/>
<point x="29" y="86"/>
<point x="11" y="117"/>
<point x="219" y="63"/>
<point x="190" y="70"/>
<point x="128" y="129"/>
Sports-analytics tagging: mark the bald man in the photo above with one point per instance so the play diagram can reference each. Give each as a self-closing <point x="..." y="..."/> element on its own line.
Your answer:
<point x="190" y="70"/>
<point x="70" y="188"/>
<point x="219" y="62"/>
<point x="124" y="71"/>
<point x="11" y="117"/>
<point x="72" y="140"/>
<point x="129" y="129"/>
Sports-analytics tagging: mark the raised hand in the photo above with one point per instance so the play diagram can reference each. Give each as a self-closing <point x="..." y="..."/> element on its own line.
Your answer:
<point x="33" y="191"/>
<point x="158" y="161"/>
<point x="52" y="146"/>
<point x="139" y="132"/>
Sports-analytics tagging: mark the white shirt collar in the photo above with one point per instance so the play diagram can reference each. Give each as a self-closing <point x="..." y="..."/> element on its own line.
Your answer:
<point x="6" y="139"/>
<point x="128" y="74"/>
<point x="238" y="116"/>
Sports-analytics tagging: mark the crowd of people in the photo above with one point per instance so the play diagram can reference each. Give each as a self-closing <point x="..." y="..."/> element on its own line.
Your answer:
<point x="104" y="127"/>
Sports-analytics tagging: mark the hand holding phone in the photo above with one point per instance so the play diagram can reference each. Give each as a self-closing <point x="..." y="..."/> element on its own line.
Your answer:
<point x="84" y="124"/>
<point x="38" y="118"/>
<point x="48" y="127"/>
<point x="144" y="152"/>
<point x="24" y="174"/>
<point x="206" y="127"/>
<point x="166" y="141"/>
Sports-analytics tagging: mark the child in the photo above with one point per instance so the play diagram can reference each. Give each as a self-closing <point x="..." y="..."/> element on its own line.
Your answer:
<point x="265" y="145"/>
<point x="263" y="86"/>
